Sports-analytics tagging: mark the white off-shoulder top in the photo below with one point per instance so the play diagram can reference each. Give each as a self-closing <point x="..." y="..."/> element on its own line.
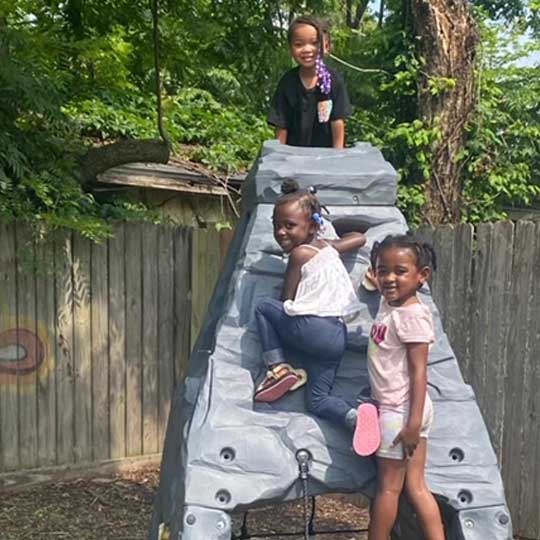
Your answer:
<point x="325" y="288"/>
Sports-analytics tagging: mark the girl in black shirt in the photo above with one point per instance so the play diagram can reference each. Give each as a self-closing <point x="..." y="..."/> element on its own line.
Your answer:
<point x="311" y="101"/>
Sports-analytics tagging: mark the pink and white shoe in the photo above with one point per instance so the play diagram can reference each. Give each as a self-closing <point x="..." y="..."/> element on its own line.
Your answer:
<point x="367" y="435"/>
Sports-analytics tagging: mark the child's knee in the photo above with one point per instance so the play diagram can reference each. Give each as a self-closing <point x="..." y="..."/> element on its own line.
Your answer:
<point x="416" y="488"/>
<point x="262" y="308"/>
<point x="386" y="490"/>
<point x="266" y="304"/>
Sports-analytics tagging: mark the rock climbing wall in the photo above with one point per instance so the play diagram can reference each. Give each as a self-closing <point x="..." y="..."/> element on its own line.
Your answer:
<point x="224" y="453"/>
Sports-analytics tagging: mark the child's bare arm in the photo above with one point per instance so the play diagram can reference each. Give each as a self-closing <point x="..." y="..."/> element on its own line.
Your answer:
<point x="417" y="355"/>
<point x="297" y="258"/>
<point x="338" y="133"/>
<point x="348" y="242"/>
<point x="281" y="135"/>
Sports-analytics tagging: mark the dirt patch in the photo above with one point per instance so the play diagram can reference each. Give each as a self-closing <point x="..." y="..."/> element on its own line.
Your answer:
<point x="120" y="508"/>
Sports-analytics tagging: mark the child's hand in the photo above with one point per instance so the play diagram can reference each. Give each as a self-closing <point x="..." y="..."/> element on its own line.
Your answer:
<point x="409" y="437"/>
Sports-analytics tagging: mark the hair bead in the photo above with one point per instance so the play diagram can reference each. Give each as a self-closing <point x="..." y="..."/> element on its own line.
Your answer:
<point x="291" y="191"/>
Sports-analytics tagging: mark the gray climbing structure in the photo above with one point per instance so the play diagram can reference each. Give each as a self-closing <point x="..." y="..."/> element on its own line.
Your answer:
<point x="225" y="454"/>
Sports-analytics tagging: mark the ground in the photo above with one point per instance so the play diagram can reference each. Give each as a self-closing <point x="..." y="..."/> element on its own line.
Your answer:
<point x="120" y="507"/>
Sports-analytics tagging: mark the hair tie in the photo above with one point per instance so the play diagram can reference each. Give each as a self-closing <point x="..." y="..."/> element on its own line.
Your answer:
<point x="324" y="79"/>
<point x="317" y="218"/>
<point x="312" y="190"/>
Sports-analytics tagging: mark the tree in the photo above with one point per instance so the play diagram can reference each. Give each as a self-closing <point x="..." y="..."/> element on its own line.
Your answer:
<point x="354" y="14"/>
<point x="447" y="43"/>
<point x="98" y="160"/>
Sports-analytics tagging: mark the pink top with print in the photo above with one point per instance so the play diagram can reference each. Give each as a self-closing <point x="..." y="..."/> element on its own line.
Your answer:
<point x="387" y="355"/>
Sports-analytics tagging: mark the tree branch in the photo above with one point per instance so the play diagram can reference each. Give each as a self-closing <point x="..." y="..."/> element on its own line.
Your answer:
<point x="154" y="5"/>
<point x="381" y="14"/>
<point x="360" y="12"/>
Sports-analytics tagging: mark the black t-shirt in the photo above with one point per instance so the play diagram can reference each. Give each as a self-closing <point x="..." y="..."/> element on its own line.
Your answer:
<point x="307" y="114"/>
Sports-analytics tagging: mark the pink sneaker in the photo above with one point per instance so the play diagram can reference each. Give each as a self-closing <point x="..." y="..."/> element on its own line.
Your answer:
<point x="367" y="436"/>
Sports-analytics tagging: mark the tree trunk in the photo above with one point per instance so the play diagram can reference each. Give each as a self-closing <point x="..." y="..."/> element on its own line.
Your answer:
<point x="360" y="12"/>
<point x="101" y="158"/>
<point x="3" y="39"/>
<point x="448" y="38"/>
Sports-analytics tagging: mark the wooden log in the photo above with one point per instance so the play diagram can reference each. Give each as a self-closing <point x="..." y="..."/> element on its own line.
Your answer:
<point x="99" y="159"/>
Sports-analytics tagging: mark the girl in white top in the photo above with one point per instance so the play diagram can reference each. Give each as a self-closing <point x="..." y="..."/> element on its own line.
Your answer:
<point x="306" y="326"/>
<point x="399" y="345"/>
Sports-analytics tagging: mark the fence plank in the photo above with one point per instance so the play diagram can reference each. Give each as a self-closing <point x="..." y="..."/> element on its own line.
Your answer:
<point x="64" y="348"/>
<point x="445" y="254"/>
<point x="513" y="468"/>
<point x="459" y="307"/>
<point x="46" y="383"/>
<point x="204" y="272"/>
<point x="225" y="239"/>
<point x="530" y="450"/>
<point x="532" y="486"/>
<point x="82" y="348"/>
<point x="117" y="359"/>
<point x="9" y="406"/>
<point x="150" y="339"/>
<point x="100" y="351"/>
<point x="27" y="332"/>
<point x="165" y="328"/>
<point x="182" y="300"/>
<point x="427" y="234"/>
<point x="479" y="318"/>
<point x="134" y="332"/>
<point x="496" y="305"/>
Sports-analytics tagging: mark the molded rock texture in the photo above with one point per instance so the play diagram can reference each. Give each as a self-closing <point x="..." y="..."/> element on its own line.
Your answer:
<point x="223" y="453"/>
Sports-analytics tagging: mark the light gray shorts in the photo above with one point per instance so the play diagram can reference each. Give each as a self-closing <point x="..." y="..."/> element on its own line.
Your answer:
<point x="392" y="421"/>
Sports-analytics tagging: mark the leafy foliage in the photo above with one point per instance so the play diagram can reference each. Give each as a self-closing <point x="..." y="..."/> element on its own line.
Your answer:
<point x="75" y="73"/>
<point x="502" y="159"/>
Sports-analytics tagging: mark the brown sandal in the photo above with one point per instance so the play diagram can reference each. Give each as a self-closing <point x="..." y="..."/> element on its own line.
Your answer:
<point x="278" y="381"/>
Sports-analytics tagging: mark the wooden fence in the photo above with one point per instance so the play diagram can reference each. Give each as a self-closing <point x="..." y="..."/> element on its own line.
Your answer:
<point x="94" y="337"/>
<point x="488" y="291"/>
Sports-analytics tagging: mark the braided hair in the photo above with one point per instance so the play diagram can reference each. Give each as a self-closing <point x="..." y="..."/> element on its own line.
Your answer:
<point x="307" y="198"/>
<point x="424" y="252"/>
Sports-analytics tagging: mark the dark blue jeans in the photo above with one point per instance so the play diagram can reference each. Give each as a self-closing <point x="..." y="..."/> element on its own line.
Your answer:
<point x="316" y="343"/>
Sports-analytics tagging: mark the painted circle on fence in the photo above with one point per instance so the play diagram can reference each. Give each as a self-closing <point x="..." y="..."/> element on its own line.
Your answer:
<point x="21" y="351"/>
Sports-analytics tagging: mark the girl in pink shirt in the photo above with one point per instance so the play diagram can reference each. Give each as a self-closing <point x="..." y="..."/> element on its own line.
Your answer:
<point x="398" y="350"/>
